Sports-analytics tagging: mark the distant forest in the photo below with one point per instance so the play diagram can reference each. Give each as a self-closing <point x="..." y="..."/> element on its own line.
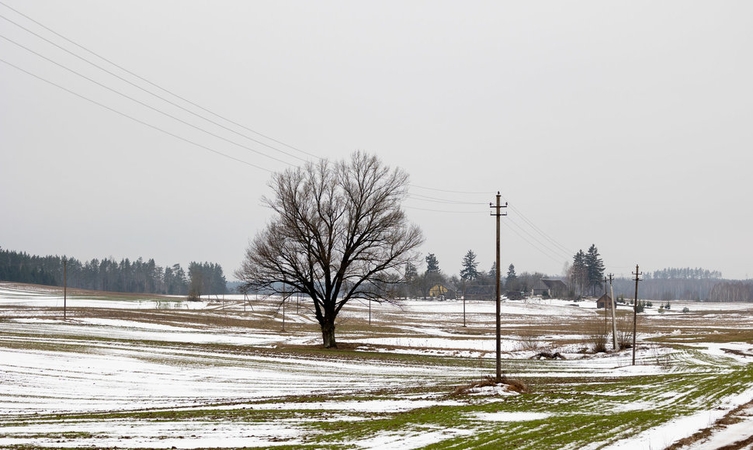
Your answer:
<point x="686" y="284"/>
<point x="137" y="276"/>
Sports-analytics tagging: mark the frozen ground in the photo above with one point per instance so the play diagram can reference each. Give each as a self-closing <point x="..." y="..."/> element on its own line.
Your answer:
<point x="137" y="372"/>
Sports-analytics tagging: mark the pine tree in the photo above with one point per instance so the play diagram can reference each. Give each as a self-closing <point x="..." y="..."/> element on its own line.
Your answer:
<point x="594" y="268"/>
<point x="432" y="263"/>
<point x="511" y="282"/>
<point x="469" y="271"/>
<point x="579" y="273"/>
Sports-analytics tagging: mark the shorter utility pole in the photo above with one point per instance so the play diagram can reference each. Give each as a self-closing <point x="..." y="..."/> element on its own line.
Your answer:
<point x="614" y="322"/>
<point x="283" y="308"/>
<point x="635" y="308"/>
<point x="606" y="326"/>
<point x="463" y="303"/>
<point x="65" y="286"/>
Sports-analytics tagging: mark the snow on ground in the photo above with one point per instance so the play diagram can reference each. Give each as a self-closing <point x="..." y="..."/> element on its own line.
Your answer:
<point x="99" y="364"/>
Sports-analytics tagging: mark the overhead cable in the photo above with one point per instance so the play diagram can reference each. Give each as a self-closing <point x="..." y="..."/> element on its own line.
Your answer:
<point x="135" y="119"/>
<point x="147" y="91"/>
<point x="142" y="103"/>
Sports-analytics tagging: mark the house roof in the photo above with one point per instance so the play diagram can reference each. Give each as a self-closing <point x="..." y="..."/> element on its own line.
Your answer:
<point x="554" y="284"/>
<point x="546" y="284"/>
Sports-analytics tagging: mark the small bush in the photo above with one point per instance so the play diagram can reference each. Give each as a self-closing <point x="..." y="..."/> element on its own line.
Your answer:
<point x="528" y="342"/>
<point x="599" y="343"/>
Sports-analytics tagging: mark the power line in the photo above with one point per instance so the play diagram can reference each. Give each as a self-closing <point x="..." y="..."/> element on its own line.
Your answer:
<point x="450" y="191"/>
<point x="532" y="244"/>
<point x="553" y="251"/>
<point x="134" y="119"/>
<point x="427" y="198"/>
<point x="443" y="211"/>
<point x="541" y="232"/>
<point x="152" y="84"/>
<point x="140" y="102"/>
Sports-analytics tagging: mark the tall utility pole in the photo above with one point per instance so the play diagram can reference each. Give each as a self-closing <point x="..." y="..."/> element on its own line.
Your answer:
<point x="635" y="308"/>
<point x="498" y="213"/>
<point x="614" y="322"/>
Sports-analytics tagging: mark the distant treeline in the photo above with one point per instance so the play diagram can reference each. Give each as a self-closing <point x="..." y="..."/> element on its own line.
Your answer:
<point x="686" y="284"/>
<point x="685" y="273"/>
<point x="137" y="276"/>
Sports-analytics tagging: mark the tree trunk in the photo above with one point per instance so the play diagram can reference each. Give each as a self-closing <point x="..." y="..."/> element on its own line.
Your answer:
<point x="328" y="333"/>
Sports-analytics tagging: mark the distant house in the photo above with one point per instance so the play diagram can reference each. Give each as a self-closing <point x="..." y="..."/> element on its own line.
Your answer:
<point x="549" y="288"/>
<point x="442" y="291"/>
<point x="605" y="301"/>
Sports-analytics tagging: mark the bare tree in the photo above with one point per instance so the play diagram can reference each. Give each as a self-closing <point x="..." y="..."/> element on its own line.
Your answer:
<point x="338" y="233"/>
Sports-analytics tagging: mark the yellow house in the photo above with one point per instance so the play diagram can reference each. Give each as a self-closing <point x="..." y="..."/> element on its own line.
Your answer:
<point x="441" y="291"/>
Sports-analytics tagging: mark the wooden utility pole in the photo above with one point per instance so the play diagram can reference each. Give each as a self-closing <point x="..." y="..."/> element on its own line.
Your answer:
<point x="606" y="324"/>
<point x="635" y="308"/>
<point x="463" y="303"/>
<point x="283" y="308"/>
<point x="498" y="213"/>
<point x="65" y="286"/>
<point x="463" y="310"/>
<point x="614" y="322"/>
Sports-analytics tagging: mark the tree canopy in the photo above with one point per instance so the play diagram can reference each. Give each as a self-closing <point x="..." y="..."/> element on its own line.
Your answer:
<point x="338" y="232"/>
<point x="432" y="263"/>
<point x="126" y="275"/>
<point x="469" y="271"/>
<point x="587" y="271"/>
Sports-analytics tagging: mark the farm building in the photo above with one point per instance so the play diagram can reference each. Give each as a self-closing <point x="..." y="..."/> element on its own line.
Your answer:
<point x="605" y="300"/>
<point x="442" y="291"/>
<point x="549" y="288"/>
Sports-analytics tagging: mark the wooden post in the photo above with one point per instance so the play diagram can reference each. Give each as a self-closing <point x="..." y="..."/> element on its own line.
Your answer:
<point x="497" y="213"/>
<point x="614" y="322"/>
<point x="65" y="287"/>
<point x="463" y="307"/>
<point x="635" y="309"/>
<point x="606" y="323"/>
<point x="283" y="308"/>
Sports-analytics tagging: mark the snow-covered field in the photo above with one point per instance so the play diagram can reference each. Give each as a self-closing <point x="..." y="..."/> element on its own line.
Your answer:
<point x="140" y="372"/>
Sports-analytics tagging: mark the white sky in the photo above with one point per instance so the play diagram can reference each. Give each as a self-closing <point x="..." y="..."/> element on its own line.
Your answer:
<point x="621" y="124"/>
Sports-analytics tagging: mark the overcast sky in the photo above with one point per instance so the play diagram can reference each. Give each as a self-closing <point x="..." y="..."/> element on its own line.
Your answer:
<point x="628" y="125"/>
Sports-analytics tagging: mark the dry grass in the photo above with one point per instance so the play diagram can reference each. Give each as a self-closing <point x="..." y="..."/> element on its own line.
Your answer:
<point x="585" y="328"/>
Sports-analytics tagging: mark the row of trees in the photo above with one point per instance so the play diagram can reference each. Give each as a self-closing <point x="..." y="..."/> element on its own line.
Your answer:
<point x="683" y="284"/>
<point x="586" y="274"/>
<point x="684" y="273"/>
<point x="472" y="282"/>
<point x="732" y="291"/>
<point x="137" y="276"/>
